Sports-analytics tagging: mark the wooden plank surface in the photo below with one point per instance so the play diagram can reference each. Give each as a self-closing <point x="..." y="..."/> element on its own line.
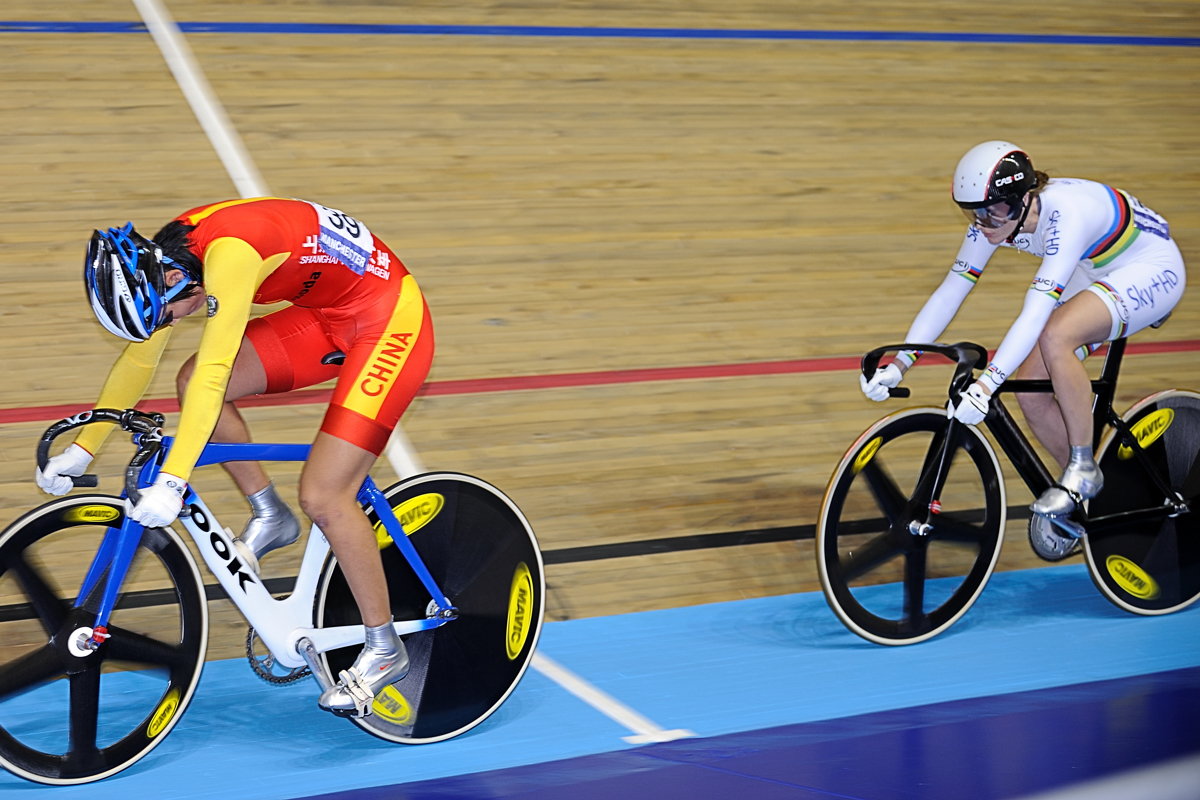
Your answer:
<point x="577" y="204"/>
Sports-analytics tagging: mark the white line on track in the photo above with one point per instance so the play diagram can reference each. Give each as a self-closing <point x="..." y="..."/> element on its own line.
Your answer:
<point x="643" y="729"/>
<point x="245" y="175"/>
<point x="204" y="103"/>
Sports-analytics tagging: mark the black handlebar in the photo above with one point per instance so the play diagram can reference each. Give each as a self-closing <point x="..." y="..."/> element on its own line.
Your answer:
<point x="967" y="355"/>
<point x="148" y="428"/>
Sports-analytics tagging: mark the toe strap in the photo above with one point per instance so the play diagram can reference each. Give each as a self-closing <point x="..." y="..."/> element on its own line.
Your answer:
<point x="1074" y="495"/>
<point x="358" y="689"/>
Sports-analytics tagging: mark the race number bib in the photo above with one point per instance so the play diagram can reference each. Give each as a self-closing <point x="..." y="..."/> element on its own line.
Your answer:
<point x="344" y="238"/>
<point x="1146" y="220"/>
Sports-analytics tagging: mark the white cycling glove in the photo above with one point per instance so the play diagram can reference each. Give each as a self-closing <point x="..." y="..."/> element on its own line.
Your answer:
<point x="972" y="407"/>
<point x="56" y="478"/>
<point x="877" y="388"/>
<point x="160" y="503"/>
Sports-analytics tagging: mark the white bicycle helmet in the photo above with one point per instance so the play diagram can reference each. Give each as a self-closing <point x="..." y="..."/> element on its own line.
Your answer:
<point x="125" y="276"/>
<point x="990" y="184"/>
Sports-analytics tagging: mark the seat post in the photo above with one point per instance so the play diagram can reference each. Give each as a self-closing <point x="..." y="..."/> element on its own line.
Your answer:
<point x="1106" y="389"/>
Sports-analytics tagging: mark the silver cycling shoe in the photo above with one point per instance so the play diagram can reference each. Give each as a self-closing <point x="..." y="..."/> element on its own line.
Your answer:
<point x="1077" y="483"/>
<point x="382" y="662"/>
<point x="273" y="525"/>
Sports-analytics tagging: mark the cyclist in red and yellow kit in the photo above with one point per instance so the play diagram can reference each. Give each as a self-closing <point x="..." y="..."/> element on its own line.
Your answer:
<point x="349" y="292"/>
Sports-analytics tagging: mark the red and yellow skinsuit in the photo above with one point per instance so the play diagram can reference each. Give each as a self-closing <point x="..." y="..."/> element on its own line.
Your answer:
<point x="268" y="250"/>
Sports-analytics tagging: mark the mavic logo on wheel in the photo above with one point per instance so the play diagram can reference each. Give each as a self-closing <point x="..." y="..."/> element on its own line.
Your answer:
<point x="520" y="610"/>
<point x="392" y="706"/>
<point x="413" y="515"/>
<point x="163" y="714"/>
<point x="1149" y="429"/>
<point x="867" y="454"/>
<point x="1132" y="578"/>
<point x="91" y="514"/>
<point x="222" y="548"/>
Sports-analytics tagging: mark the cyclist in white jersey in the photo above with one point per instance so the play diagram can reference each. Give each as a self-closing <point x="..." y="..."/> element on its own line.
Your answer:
<point x="1109" y="269"/>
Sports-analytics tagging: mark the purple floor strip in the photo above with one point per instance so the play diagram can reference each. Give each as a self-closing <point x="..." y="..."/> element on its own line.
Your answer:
<point x="987" y="748"/>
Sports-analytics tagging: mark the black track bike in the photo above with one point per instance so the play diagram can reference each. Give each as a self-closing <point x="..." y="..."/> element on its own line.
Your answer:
<point x="914" y="515"/>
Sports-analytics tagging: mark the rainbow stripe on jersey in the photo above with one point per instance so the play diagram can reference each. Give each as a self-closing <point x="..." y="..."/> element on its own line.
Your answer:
<point x="1118" y="237"/>
<point x="1115" y="298"/>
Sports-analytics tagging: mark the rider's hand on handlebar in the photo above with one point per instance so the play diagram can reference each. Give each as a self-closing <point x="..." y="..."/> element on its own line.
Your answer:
<point x="972" y="407"/>
<point x="877" y="388"/>
<point x="56" y="478"/>
<point x="159" y="504"/>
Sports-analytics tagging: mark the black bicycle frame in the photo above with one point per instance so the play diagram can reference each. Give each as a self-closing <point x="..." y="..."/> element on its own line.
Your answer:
<point x="1012" y="440"/>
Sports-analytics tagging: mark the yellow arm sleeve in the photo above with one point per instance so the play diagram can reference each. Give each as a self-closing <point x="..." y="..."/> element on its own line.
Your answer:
<point x="232" y="272"/>
<point x="125" y="385"/>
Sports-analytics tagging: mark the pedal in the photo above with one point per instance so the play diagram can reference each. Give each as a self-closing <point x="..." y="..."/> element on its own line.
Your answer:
<point x="351" y="686"/>
<point x="362" y="696"/>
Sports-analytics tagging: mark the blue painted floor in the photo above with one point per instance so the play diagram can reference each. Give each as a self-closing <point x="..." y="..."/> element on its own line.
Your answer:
<point x="1043" y="680"/>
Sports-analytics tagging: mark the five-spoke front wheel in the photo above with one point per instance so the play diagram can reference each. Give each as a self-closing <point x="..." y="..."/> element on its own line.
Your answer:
<point x="896" y="566"/>
<point x="69" y="714"/>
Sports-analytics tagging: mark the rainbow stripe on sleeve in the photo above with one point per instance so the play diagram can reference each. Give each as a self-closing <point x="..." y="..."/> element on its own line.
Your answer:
<point x="972" y="274"/>
<point x="1118" y="237"/>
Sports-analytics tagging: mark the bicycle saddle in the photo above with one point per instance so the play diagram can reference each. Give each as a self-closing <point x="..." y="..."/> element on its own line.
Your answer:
<point x="336" y="357"/>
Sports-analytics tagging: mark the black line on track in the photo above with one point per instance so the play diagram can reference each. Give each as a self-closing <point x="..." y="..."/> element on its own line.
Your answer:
<point x="564" y="555"/>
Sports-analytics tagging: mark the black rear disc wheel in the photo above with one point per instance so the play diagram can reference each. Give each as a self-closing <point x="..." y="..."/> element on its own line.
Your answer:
<point x="1150" y="567"/>
<point x="482" y="553"/>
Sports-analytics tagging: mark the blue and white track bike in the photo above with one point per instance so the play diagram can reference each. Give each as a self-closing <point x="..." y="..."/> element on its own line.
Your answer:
<point x="104" y="623"/>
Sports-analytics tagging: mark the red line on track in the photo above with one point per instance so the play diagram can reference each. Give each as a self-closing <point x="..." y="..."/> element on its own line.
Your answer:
<point x="537" y="382"/>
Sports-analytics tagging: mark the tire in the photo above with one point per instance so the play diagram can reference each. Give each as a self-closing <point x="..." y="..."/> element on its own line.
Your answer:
<point x="68" y="719"/>
<point x="1150" y="567"/>
<point x="873" y="568"/>
<point x="483" y="555"/>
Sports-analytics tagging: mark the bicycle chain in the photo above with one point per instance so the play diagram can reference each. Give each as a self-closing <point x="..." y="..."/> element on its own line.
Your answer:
<point x="269" y="661"/>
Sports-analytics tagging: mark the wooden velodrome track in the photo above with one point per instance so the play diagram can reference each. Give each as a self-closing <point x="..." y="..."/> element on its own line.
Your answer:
<point x="583" y="204"/>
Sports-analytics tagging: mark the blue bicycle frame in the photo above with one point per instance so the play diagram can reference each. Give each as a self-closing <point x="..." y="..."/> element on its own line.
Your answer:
<point x="116" y="551"/>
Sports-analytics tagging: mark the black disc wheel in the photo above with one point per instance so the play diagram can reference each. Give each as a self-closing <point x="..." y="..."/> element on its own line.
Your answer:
<point x="1150" y="566"/>
<point x="73" y="715"/>
<point x="483" y="555"/>
<point x="896" y="567"/>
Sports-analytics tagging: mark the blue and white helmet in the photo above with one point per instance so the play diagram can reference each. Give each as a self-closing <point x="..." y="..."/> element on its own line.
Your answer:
<point x="125" y="276"/>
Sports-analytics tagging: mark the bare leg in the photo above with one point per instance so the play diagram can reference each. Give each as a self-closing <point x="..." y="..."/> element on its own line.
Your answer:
<point x="329" y="488"/>
<point x="248" y="377"/>
<point x="1081" y="320"/>
<point x="1041" y="410"/>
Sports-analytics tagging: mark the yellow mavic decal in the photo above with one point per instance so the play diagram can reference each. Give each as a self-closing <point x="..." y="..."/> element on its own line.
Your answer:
<point x="163" y="714"/>
<point x="1148" y="429"/>
<point x="1132" y="578"/>
<point x="91" y="514"/>
<point x="520" y="611"/>
<point x="867" y="453"/>
<point x="392" y="706"/>
<point x="413" y="514"/>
